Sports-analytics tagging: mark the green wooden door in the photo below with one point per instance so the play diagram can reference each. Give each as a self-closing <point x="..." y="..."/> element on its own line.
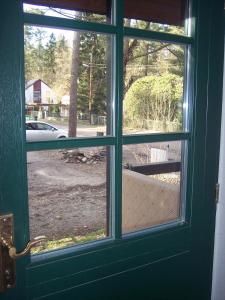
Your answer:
<point x="166" y="259"/>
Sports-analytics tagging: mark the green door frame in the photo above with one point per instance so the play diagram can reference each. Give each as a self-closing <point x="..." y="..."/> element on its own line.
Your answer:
<point x="149" y="256"/>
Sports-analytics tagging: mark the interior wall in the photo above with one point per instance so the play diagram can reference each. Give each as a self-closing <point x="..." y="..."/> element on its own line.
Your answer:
<point x="218" y="284"/>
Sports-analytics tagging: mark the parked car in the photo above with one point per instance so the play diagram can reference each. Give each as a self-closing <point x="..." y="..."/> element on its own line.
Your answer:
<point x="40" y="131"/>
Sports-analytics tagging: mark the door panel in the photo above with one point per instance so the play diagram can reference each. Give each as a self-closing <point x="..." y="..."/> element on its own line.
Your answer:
<point x="165" y="262"/>
<point x="104" y="263"/>
<point x="12" y="182"/>
<point x="102" y="281"/>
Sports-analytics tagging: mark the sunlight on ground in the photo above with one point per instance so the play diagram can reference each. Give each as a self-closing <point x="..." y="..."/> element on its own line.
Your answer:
<point x="68" y="241"/>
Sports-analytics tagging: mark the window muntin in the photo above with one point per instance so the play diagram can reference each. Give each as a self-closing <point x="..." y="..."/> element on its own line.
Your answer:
<point x="117" y="92"/>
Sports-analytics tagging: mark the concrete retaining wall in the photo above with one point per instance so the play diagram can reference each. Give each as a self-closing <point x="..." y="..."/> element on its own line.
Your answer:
<point x="148" y="201"/>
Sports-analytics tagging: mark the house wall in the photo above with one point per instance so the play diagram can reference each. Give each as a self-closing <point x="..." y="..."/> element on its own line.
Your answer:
<point x="47" y="95"/>
<point x="37" y="85"/>
<point x="64" y="111"/>
<point x="29" y="94"/>
<point x="218" y="284"/>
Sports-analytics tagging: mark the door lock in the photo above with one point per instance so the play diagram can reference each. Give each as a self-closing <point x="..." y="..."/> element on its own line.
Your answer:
<point x="8" y="252"/>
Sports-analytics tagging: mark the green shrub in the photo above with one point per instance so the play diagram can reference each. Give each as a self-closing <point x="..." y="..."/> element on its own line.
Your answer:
<point x="154" y="101"/>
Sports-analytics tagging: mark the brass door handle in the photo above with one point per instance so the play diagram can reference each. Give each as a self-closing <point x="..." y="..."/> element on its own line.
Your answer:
<point x="8" y="252"/>
<point x="12" y="250"/>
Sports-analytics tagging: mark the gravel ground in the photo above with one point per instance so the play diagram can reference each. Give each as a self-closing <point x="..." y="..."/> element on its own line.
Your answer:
<point x="65" y="199"/>
<point x="68" y="198"/>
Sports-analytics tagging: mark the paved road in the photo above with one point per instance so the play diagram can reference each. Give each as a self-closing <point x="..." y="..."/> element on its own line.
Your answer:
<point x="174" y="147"/>
<point x="85" y="131"/>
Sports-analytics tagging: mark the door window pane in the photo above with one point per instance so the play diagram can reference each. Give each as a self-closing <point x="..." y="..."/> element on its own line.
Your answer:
<point x="153" y="87"/>
<point x="69" y="198"/>
<point x="152" y="184"/>
<point x="71" y="72"/>
<point x="91" y="11"/>
<point x="165" y="15"/>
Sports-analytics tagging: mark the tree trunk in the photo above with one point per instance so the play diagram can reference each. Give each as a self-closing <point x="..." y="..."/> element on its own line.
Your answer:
<point x="73" y="86"/>
<point x="146" y="60"/>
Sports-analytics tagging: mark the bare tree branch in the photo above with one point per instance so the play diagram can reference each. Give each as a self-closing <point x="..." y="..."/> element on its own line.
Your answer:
<point x="172" y="52"/>
<point x="150" y="52"/>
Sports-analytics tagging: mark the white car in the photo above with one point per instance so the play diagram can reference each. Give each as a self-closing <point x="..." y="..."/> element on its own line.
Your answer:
<point x="40" y="131"/>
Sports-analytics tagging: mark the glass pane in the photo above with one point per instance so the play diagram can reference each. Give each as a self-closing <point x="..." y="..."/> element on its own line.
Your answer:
<point x="77" y="9"/>
<point x="69" y="196"/>
<point x="152" y="184"/>
<point x="68" y="82"/>
<point x="166" y="15"/>
<point x="153" y="87"/>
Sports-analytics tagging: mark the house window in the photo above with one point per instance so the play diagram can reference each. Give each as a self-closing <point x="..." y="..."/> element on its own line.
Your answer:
<point x="37" y="96"/>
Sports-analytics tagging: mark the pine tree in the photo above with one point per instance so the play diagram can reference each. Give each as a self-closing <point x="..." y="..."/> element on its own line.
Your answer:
<point x="50" y="60"/>
<point x="61" y="85"/>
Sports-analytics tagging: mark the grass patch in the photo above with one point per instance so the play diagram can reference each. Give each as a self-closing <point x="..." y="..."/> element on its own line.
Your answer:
<point x="68" y="241"/>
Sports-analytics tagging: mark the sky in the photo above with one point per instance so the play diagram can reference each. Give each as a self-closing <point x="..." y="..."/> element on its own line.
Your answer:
<point x="49" y="12"/>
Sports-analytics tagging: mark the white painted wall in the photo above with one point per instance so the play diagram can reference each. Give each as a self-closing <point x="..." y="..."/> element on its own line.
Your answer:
<point x="218" y="284"/>
<point x="29" y="94"/>
<point x="47" y="95"/>
<point x="65" y="100"/>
